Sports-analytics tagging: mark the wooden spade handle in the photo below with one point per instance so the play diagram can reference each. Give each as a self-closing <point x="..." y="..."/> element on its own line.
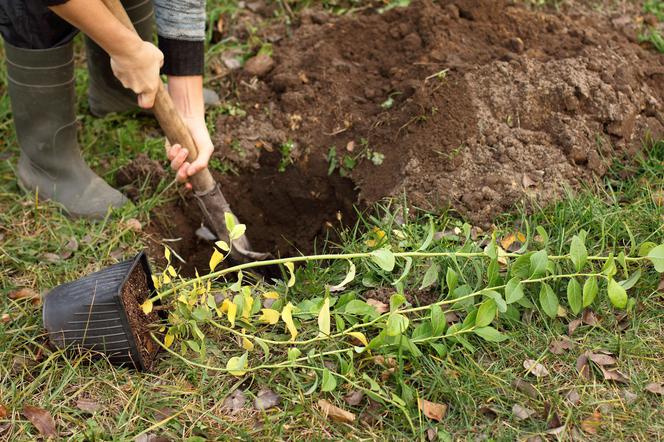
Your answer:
<point x="168" y="117"/>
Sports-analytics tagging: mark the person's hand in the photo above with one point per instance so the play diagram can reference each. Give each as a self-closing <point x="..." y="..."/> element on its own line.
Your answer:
<point x="137" y="68"/>
<point x="177" y="154"/>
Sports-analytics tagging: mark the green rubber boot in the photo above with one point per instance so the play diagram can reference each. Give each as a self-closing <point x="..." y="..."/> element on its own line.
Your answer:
<point x="41" y="91"/>
<point x="105" y="93"/>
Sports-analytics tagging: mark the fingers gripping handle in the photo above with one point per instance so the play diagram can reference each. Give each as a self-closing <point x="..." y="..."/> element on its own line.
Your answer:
<point x="167" y="116"/>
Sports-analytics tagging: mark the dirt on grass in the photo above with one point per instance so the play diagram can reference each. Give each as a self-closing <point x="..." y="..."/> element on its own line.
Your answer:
<point x="471" y="104"/>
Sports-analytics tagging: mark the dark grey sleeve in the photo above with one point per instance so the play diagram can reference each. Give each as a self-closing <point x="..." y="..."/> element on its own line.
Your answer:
<point x="181" y="19"/>
<point x="181" y="29"/>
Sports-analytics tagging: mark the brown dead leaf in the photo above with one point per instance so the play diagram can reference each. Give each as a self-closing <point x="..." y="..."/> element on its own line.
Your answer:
<point x="380" y="306"/>
<point x="164" y="413"/>
<point x="535" y="368"/>
<point x="526" y="388"/>
<point x="589" y="317"/>
<point x="51" y="257"/>
<point x="134" y="225"/>
<point x="572" y="326"/>
<point x="513" y="241"/>
<point x="235" y="401"/>
<point x="522" y="413"/>
<point x="573" y="397"/>
<point x="151" y="437"/>
<point x="527" y="181"/>
<point x="350" y="146"/>
<point x="582" y="366"/>
<point x="612" y="374"/>
<point x="354" y="398"/>
<point x="655" y="388"/>
<point x="592" y="423"/>
<point x="602" y="359"/>
<point x="88" y="405"/>
<point x="432" y="410"/>
<point x="628" y="397"/>
<point x="432" y="434"/>
<point x="69" y="248"/>
<point x="658" y="198"/>
<point x="41" y="419"/>
<point x="3" y="411"/>
<point x="220" y="25"/>
<point x="452" y="318"/>
<point x="25" y="293"/>
<point x="5" y="318"/>
<point x="266" y="399"/>
<point x="560" y="346"/>
<point x="488" y="412"/>
<point x="335" y="413"/>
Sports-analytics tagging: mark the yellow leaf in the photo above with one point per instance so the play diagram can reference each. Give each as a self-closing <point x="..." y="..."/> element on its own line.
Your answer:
<point x="380" y="234"/>
<point x="247" y="344"/>
<point x="291" y="268"/>
<point x="287" y="317"/>
<point x="270" y="316"/>
<point x="223" y="245"/>
<point x="360" y="337"/>
<point x="167" y="254"/>
<point x="167" y="279"/>
<point x="271" y="295"/>
<point x="168" y="340"/>
<point x="156" y="282"/>
<point x="324" y="318"/>
<point x="225" y="305"/>
<point x="147" y="306"/>
<point x="183" y="299"/>
<point x="172" y="272"/>
<point x="232" y="311"/>
<point x="215" y="259"/>
<point x="248" y="304"/>
<point x="237" y="365"/>
<point x="370" y="243"/>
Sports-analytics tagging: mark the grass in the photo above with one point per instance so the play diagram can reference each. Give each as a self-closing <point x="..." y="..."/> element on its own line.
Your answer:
<point x="184" y="402"/>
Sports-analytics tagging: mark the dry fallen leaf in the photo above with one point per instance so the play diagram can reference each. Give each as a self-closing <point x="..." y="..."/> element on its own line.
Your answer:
<point x="572" y="326"/>
<point x="235" y="401"/>
<point x="41" y="419"/>
<point x="592" y="423"/>
<point x="560" y="346"/>
<point x="521" y="412"/>
<point x="655" y="388"/>
<point x="151" y="437"/>
<point x="582" y="366"/>
<point x="354" y="398"/>
<point x="5" y="318"/>
<point x="3" y="411"/>
<point x="573" y="397"/>
<point x="527" y="181"/>
<point x="88" y="405"/>
<point x="526" y="388"/>
<point x="602" y="359"/>
<point x="432" y="434"/>
<point x="535" y="368"/>
<point x="660" y="287"/>
<point x="134" y="225"/>
<point x="629" y="397"/>
<point x="25" y="293"/>
<point x="335" y="413"/>
<point x="589" y="317"/>
<point x="266" y="399"/>
<point x="51" y="257"/>
<point x="432" y="410"/>
<point x="380" y="306"/>
<point x="164" y="413"/>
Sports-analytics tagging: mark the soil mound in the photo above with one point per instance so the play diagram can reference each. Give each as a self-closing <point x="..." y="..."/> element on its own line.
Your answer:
<point x="473" y="104"/>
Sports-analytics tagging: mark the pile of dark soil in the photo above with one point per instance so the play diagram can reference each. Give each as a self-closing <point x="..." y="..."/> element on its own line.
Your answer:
<point x="475" y="104"/>
<point x="470" y="104"/>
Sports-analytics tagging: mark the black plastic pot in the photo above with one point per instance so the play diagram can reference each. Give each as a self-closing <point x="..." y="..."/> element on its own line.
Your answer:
<point x="88" y="315"/>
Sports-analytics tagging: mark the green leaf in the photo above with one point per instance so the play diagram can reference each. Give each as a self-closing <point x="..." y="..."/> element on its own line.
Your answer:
<point x="590" y="290"/>
<point x="429" y="238"/>
<point x="490" y="334"/>
<point x="500" y="302"/>
<point x="609" y="269"/>
<point x="396" y="324"/>
<point x="406" y="270"/>
<point x="548" y="300"/>
<point x="438" y="321"/>
<point x="617" y="294"/>
<point x="230" y="221"/>
<point x="542" y="232"/>
<point x="237" y="232"/>
<point x="538" y="262"/>
<point x="451" y="279"/>
<point x="422" y="331"/>
<point x="349" y="277"/>
<point x="237" y="365"/>
<point x="194" y="346"/>
<point x="329" y="382"/>
<point x="491" y="249"/>
<point x="513" y="290"/>
<point x="431" y="276"/>
<point x="486" y="313"/>
<point x="646" y="247"/>
<point x="384" y="258"/>
<point x="656" y="255"/>
<point x="574" y="296"/>
<point x="521" y="266"/>
<point x="493" y="273"/>
<point x="631" y="281"/>
<point x="440" y="349"/>
<point x="324" y="318"/>
<point x="293" y="353"/>
<point x="396" y="301"/>
<point x="360" y="308"/>
<point x="578" y="253"/>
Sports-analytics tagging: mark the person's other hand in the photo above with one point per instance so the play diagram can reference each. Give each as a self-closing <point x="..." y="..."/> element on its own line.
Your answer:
<point x="177" y="154"/>
<point x="137" y="68"/>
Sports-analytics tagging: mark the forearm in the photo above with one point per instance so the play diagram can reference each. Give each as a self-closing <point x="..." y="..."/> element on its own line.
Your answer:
<point x="97" y="22"/>
<point x="187" y="95"/>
